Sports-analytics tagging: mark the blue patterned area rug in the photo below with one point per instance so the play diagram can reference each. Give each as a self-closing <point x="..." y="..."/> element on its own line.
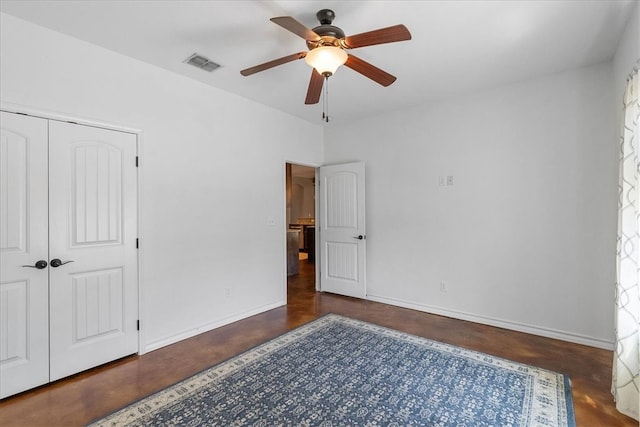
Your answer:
<point x="337" y="371"/>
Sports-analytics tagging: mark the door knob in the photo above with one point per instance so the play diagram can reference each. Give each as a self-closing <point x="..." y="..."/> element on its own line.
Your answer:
<point x="39" y="265"/>
<point x="57" y="262"/>
<point x="359" y="237"/>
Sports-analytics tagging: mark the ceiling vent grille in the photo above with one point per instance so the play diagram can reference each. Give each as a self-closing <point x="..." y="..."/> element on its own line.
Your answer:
<point x="202" y="62"/>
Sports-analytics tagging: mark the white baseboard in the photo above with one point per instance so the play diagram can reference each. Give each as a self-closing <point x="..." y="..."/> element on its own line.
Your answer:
<point x="154" y="345"/>
<point x="500" y="323"/>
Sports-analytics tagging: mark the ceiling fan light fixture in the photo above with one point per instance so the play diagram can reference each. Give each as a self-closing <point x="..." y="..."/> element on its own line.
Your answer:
<point x="326" y="59"/>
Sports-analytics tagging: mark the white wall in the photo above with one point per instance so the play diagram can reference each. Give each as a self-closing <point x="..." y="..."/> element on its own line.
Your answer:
<point x="525" y="238"/>
<point x="201" y="148"/>
<point x="627" y="57"/>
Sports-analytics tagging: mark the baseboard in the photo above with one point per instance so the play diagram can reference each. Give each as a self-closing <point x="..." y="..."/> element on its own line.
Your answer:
<point x="154" y="345"/>
<point x="500" y="323"/>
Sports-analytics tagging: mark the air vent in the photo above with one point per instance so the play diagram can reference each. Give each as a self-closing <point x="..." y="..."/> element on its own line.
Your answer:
<point x="201" y="62"/>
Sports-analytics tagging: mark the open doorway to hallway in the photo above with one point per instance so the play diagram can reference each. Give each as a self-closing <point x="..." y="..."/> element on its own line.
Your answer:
<point x="301" y="221"/>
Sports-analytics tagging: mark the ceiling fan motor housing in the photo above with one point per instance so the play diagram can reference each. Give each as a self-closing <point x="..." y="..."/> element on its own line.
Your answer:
<point x="330" y="34"/>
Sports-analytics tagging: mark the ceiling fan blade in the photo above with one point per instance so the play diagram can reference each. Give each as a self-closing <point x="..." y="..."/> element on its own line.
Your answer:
<point x="397" y="33"/>
<point x="370" y="71"/>
<point x="274" y="63"/>
<point x="315" y="88"/>
<point x="288" y="23"/>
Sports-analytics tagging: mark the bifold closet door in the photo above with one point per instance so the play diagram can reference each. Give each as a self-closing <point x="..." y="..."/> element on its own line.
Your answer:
<point x="92" y="232"/>
<point x="24" y="254"/>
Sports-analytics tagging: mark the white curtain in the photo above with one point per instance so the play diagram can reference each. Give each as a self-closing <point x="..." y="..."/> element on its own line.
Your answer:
<point x="626" y="361"/>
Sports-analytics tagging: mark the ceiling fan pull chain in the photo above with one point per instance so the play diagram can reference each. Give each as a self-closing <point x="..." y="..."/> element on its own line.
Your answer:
<point x="325" y="100"/>
<point x="324" y="108"/>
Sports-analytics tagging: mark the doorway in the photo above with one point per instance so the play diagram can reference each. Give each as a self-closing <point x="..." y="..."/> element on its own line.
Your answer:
<point x="301" y="232"/>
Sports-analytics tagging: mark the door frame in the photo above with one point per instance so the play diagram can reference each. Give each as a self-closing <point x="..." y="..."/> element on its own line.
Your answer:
<point x="63" y="117"/>
<point x="285" y="226"/>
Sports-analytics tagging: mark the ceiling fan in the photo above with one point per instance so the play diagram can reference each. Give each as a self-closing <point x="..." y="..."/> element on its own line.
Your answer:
<point x="327" y="44"/>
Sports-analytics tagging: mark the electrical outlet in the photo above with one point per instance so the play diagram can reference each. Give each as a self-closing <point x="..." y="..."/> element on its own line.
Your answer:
<point x="449" y="179"/>
<point x="443" y="286"/>
<point x="227" y="292"/>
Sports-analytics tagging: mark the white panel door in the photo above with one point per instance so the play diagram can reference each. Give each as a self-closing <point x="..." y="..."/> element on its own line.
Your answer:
<point x="92" y="219"/>
<point x="24" y="291"/>
<point x="342" y="230"/>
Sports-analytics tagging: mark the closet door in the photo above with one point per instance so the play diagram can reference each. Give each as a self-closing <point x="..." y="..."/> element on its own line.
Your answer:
<point x="93" y="231"/>
<point x="24" y="289"/>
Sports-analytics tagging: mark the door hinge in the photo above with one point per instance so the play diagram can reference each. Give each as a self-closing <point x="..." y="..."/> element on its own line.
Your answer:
<point x="137" y="243"/>
<point x="137" y="325"/>
<point x="136" y="161"/>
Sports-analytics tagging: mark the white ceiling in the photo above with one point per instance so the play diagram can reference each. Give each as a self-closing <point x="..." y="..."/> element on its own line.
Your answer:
<point x="457" y="46"/>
